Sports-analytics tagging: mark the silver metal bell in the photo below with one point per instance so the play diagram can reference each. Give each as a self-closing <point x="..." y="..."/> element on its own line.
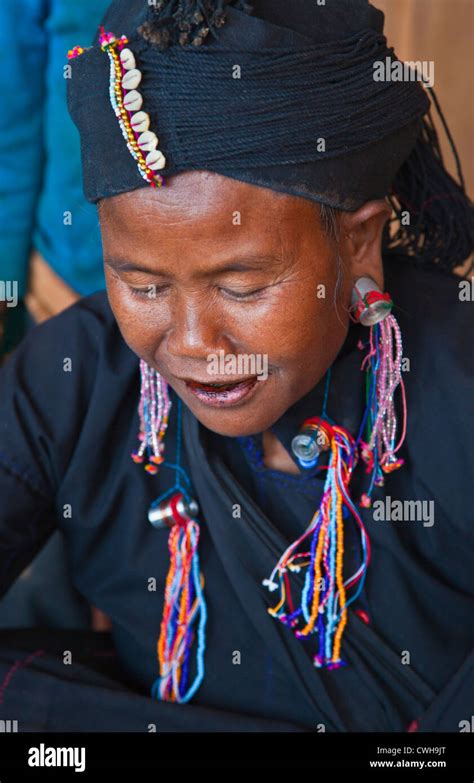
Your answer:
<point x="174" y="511"/>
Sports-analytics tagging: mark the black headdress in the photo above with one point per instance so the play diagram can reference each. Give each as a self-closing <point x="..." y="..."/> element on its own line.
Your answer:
<point x="280" y="95"/>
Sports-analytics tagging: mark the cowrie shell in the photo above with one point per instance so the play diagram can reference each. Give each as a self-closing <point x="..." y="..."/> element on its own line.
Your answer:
<point x="148" y="141"/>
<point x="133" y="101"/>
<point x="131" y="79"/>
<point x="155" y="160"/>
<point x="127" y="59"/>
<point x="140" y="121"/>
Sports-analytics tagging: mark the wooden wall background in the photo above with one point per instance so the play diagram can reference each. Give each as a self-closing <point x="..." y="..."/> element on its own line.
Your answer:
<point x="442" y="31"/>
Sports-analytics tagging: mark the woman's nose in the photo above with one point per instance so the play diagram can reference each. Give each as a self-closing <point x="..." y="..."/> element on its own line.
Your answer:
<point x="197" y="329"/>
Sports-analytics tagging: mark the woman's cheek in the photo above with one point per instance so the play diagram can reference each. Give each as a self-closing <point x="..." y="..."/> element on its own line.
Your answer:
<point x="139" y="322"/>
<point x="290" y="321"/>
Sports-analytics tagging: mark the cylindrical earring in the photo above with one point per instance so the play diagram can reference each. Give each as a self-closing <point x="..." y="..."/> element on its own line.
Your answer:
<point x="312" y="439"/>
<point x="369" y="303"/>
<point x="383" y="363"/>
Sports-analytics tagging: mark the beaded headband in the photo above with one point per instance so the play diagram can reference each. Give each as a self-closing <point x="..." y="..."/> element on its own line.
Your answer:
<point x="127" y="104"/>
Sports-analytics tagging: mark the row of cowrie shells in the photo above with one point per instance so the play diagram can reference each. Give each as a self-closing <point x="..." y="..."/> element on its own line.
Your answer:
<point x="140" y="120"/>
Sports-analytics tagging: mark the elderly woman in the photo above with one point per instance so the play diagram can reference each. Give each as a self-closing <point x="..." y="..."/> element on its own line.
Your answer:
<point x="255" y="442"/>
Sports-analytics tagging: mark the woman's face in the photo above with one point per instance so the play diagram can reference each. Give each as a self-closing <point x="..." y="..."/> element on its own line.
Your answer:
<point x="228" y="290"/>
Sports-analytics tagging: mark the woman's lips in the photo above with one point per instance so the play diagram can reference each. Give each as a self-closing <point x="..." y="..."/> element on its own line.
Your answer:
<point x="222" y="396"/>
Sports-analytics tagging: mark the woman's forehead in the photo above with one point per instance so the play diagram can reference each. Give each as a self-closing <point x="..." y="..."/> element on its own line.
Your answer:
<point x="201" y="196"/>
<point x="207" y="220"/>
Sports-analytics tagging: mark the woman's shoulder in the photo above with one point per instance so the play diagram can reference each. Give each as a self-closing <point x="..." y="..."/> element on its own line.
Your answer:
<point x="70" y="374"/>
<point x="91" y="317"/>
<point x="72" y="354"/>
<point x="80" y="337"/>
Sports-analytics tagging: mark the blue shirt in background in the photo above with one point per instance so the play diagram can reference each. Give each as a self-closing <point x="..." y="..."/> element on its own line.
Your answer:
<point x="42" y="204"/>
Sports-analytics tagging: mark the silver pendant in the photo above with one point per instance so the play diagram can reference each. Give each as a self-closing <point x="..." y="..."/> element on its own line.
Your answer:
<point x="176" y="510"/>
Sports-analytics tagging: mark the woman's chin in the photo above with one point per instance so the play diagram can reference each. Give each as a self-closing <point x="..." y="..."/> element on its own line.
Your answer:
<point x="238" y="429"/>
<point x="239" y="414"/>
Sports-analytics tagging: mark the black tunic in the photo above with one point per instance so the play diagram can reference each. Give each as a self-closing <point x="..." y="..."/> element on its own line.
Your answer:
<point x="65" y="444"/>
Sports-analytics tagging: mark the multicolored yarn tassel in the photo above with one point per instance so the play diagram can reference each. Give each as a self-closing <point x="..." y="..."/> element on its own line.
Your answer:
<point x="323" y="603"/>
<point x="183" y="608"/>
<point x="153" y="410"/>
<point x="184" y="604"/>
<point x="320" y="550"/>
<point x="383" y="366"/>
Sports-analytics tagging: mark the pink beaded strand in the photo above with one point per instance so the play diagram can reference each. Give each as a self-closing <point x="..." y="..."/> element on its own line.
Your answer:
<point x="389" y="378"/>
<point x="153" y="410"/>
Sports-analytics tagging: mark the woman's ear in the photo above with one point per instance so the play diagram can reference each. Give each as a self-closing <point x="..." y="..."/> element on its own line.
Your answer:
<point x="360" y="240"/>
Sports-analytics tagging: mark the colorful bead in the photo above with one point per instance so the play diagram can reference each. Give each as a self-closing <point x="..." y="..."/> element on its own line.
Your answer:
<point x="75" y="52"/>
<point x="363" y="616"/>
<point x="389" y="467"/>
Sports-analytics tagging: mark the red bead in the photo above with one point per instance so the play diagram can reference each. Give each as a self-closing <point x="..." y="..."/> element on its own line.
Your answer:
<point x="363" y="616"/>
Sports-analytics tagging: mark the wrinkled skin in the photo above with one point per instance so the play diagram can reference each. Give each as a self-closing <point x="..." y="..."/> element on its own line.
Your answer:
<point x="248" y="288"/>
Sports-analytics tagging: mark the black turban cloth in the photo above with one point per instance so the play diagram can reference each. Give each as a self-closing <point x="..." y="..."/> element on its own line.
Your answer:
<point x="257" y="129"/>
<point x="306" y="77"/>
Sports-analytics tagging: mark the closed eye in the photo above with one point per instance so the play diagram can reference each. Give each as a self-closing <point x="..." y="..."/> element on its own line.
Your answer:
<point x="148" y="292"/>
<point x="151" y="292"/>
<point x="242" y="295"/>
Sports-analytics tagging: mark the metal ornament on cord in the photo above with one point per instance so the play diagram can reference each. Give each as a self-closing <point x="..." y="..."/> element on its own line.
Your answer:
<point x="370" y="305"/>
<point x="319" y="551"/>
<point x="184" y="611"/>
<point x="383" y="365"/>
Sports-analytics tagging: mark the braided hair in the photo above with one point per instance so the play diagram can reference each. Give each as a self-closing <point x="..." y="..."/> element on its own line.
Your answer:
<point x="186" y="22"/>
